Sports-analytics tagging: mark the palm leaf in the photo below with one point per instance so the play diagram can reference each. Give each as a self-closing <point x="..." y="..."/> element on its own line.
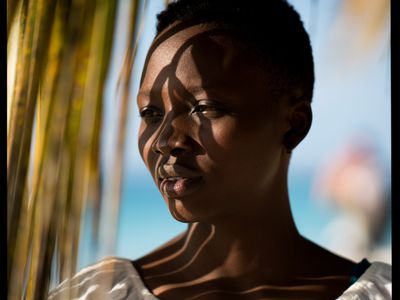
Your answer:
<point x="54" y="134"/>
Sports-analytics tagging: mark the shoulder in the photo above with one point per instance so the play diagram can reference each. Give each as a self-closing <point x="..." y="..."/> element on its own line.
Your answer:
<point x="375" y="283"/>
<point x="110" y="278"/>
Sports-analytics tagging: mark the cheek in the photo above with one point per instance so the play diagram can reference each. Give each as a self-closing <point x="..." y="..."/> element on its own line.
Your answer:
<point x="145" y="141"/>
<point x="229" y="136"/>
<point x="235" y="145"/>
<point x="218" y="137"/>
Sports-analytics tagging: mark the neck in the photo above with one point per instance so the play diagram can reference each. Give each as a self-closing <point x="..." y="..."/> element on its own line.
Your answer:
<point x="260" y="239"/>
<point x="255" y="239"/>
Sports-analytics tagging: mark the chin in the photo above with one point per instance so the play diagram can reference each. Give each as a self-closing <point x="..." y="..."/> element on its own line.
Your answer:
<point x="184" y="214"/>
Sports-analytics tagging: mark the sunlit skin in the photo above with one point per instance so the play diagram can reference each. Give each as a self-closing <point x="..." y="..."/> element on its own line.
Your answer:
<point x="216" y="143"/>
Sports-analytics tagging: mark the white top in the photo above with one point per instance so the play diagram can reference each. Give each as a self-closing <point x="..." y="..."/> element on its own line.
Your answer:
<point x="116" y="279"/>
<point x="375" y="283"/>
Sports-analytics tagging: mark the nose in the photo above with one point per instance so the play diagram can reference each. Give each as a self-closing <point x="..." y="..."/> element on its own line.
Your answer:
<point x="173" y="137"/>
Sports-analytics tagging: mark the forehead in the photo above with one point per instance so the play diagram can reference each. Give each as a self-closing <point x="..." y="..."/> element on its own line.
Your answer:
<point x="204" y="56"/>
<point x="197" y="45"/>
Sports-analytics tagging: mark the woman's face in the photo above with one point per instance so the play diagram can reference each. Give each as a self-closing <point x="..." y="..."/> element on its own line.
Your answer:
<point x="210" y="135"/>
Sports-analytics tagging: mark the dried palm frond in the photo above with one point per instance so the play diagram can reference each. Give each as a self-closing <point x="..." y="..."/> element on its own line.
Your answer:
<point x="61" y="57"/>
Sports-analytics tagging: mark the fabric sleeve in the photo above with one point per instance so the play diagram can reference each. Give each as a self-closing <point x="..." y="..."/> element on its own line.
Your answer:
<point x="374" y="284"/>
<point x="111" y="278"/>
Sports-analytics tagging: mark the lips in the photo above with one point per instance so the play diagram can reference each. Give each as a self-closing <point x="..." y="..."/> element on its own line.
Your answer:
<point x="177" y="180"/>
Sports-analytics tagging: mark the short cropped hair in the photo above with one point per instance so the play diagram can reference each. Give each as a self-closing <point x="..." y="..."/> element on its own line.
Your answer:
<point x="271" y="27"/>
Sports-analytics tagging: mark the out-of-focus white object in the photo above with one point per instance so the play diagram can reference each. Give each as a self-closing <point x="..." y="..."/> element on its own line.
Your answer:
<point x="353" y="182"/>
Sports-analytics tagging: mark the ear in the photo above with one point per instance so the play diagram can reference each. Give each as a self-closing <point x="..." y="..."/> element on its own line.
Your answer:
<point x="299" y="121"/>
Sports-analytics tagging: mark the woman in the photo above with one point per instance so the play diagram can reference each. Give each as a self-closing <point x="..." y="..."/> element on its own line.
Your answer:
<point x="224" y="99"/>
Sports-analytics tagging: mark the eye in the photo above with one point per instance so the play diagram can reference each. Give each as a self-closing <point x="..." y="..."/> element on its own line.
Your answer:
<point x="151" y="114"/>
<point x="208" y="109"/>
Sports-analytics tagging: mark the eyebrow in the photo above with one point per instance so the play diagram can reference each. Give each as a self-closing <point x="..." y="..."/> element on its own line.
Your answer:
<point x="193" y="90"/>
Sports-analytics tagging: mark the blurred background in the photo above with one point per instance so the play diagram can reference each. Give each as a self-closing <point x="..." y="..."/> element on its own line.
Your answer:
<point x="77" y="188"/>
